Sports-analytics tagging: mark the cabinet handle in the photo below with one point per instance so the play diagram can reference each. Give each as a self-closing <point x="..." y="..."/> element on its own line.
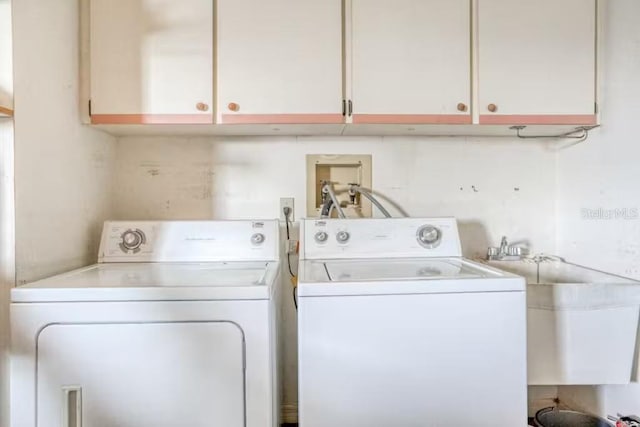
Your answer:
<point x="492" y="107"/>
<point x="201" y="106"/>
<point x="233" y="106"/>
<point x="350" y="108"/>
<point x="462" y="107"/>
<point x="72" y="407"/>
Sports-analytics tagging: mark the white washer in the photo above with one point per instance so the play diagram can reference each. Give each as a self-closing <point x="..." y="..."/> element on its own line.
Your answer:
<point x="175" y="326"/>
<point x="395" y="328"/>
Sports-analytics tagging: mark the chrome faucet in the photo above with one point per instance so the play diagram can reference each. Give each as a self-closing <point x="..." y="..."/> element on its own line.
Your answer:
<point x="504" y="246"/>
<point x="505" y="252"/>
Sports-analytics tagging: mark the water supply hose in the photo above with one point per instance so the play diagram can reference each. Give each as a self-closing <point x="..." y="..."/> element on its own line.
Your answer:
<point x="372" y="199"/>
<point x="334" y="200"/>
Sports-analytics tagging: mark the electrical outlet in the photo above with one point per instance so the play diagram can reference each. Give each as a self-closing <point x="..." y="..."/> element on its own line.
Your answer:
<point x="287" y="202"/>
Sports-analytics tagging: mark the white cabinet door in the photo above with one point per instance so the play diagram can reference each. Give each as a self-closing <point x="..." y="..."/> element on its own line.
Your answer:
<point x="411" y="61"/>
<point x="141" y="375"/>
<point x="279" y="61"/>
<point x="151" y="61"/>
<point x="537" y="61"/>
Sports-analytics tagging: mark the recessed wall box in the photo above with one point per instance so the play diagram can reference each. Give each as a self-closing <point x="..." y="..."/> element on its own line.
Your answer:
<point x="341" y="171"/>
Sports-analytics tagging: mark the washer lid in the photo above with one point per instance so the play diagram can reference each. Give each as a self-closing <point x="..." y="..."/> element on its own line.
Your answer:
<point x="155" y="281"/>
<point x="402" y="276"/>
<point x="411" y="269"/>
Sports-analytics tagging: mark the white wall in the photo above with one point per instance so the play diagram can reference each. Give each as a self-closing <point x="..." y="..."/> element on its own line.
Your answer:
<point x="7" y="225"/>
<point x="7" y="256"/>
<point x="201" y="178"/>
<point x="604" y="173"/>
<point x="63" y="169"/>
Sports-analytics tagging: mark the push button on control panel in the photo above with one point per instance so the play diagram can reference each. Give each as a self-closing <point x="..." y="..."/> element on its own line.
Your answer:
<point x="257" y="239"/>
<point x="321" y="237"/>
<point x="343" y="237"/>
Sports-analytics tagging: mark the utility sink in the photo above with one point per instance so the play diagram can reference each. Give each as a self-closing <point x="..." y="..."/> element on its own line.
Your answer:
<point x="582" y="323"/>
<point x="560" y="284"/>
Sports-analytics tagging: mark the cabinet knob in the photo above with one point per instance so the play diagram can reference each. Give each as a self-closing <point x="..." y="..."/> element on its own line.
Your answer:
<point x="201" y="106"/>
<point x="462" y="107"/>
<point x="233" y="106"/>
<point x="492" y="107"/>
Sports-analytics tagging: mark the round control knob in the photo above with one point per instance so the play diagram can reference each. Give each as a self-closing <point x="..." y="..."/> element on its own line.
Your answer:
<point x="257" y="239"/>
<point x="321" y="237"/>
<point x="132" y="240"/>
<point x="429" y="236"/>
<point x="342" y="237"/>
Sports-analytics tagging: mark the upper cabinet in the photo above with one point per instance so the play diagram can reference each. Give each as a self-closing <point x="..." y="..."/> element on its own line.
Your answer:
<point x="410" y="61"/>
<point x="279" y="61"/>
<point x="151" y="61"/>
<point x="375" y="66"/>
<point x="537" y="62"/>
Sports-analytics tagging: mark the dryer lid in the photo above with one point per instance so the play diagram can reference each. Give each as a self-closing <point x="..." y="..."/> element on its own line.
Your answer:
<point x="155" y="281"/>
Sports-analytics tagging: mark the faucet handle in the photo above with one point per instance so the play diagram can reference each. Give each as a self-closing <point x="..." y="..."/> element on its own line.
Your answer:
<point x="514" y="251"/>
<point x="492" y="253"/>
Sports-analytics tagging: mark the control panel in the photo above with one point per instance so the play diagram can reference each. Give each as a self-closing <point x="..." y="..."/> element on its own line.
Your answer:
<point x="379" y="238"/>
<point x="189" y="241"/>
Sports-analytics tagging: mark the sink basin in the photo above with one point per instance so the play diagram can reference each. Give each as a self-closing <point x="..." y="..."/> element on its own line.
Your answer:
<point x="582" y="324"/>
<point x="562" y="285"/>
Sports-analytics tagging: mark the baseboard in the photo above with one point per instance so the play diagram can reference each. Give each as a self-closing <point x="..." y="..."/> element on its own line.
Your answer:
<point x="289" y="413"/>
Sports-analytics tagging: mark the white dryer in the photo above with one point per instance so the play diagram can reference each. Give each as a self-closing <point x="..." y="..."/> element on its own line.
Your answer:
<point x="395" y="328"/>
<point x="175" y="326"/>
